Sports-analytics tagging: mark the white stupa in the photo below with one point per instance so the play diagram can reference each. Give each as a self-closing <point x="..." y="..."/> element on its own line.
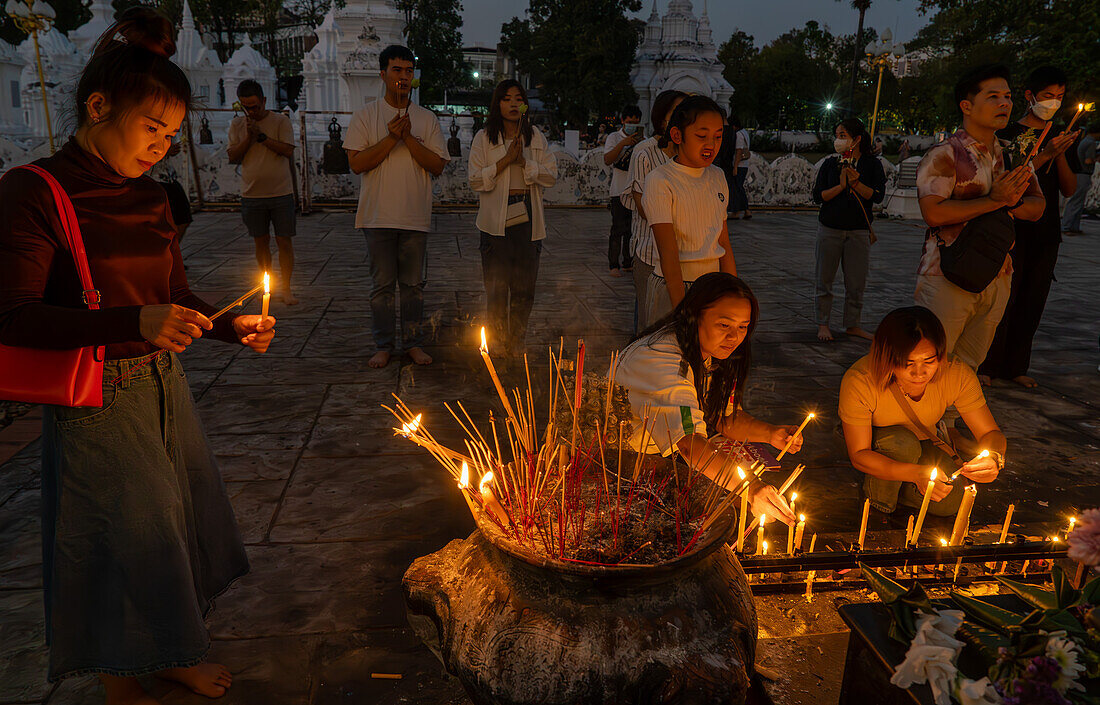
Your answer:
<point x="322" y="86"/>
<point x="677" y="52"/>
<point x="86" y="35"/>
<point x="247" y="63"/>
<point x="61" y="64"/>
<point x="12" y="123"/>
<point x="366" y="28"/>
<point x="199" y="62"/>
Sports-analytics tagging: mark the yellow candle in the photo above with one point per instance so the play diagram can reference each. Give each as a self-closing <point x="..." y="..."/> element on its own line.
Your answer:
<point x="760" y="533"/>
<point x="909" y="530"/>
<point x="764" y="551"/>
<point x="790" y="539"/>
<point x="810" y="575"/>
<point x="267" y="295"/>
<point x="1072" y="521"/>
<point x="1004" y="530"/>
<point x="744" y="514"/>
<point x="794" y="496"/>
<point x="924" y="506"/>
<point x="809" y="417"/>
<point x="943" y="542"/>
<point x="799" y="531"/>
<point x="492" y="506"/>
<point x="863" y="522"/>
<point x="962" y="519"/>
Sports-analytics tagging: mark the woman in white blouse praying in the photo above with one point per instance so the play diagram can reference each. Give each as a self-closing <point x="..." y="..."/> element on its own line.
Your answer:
<point x="510" y="165"/>
<point x="687" y="375"/>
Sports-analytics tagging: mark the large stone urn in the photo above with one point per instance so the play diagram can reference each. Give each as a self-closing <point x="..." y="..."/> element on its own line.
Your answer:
<point x="516" y="627"/>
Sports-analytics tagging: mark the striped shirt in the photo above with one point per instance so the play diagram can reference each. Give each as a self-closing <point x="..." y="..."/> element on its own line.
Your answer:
<point x="646" y="157"/>
<point x="693" y="200"/>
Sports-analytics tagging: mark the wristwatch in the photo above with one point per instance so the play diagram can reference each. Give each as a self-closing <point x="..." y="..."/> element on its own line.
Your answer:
<point x="261" y="137"/>
<point x="1000" y="459"/>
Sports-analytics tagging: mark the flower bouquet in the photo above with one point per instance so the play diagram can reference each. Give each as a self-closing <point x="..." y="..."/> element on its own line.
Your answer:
<point x="973" y="652"/>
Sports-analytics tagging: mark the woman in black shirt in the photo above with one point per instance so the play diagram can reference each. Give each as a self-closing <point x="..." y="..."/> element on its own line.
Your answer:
<point x="847" y="186"/>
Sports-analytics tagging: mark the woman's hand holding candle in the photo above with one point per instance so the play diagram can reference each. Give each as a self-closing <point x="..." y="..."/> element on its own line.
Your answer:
<point x="765" y="499"/>
<point x="782" y="435"/>
<point x="940" y="490"/>
<point x="255" y="332"/>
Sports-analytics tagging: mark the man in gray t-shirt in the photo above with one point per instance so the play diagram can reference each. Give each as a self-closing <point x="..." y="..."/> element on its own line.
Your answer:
<point x="1086" y="165"/>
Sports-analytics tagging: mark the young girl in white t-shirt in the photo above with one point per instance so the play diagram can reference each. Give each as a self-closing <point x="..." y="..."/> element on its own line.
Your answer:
<point x="510" y="165"/>
<point x="685" y="202"/>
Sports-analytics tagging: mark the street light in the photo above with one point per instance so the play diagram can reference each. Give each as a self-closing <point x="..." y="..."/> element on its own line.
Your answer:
<point x="882" y="53"/>
<point x="32" y="19"/>
<point x="828" y="107"/>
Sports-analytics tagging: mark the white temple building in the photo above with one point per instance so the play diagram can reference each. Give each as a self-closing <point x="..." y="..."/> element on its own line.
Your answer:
<point x="677" y="52"/>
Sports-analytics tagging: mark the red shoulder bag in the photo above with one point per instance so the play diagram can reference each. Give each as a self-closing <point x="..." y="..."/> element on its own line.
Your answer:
<point x="71" y="377"/>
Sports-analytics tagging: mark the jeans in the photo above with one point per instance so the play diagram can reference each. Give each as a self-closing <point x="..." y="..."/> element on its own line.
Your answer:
<point x="900" y="444"/>
<point x="396" y="257"/>
<point x="850" y="250"/>
<point x="1075" y="206"/>
<point x="510" y="266"/>
<point x="739" y="199"/>
<point x="618" y="244"/>
<point x="969" y="320"/>
<point x="138" y="534"/>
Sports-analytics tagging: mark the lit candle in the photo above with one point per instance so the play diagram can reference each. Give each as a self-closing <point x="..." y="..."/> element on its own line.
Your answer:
<point x="464" y="487"/>
<point x="962" y="519"/>
<point x="1072" y="521"/>
<point x="1004" y="531"/>
<point x="764" y="550"/>
<point x="943" y="542"/>
<point x="267" y="295"/>
<point x="924" y="506"/>
<point x="794" y="496"/>
<point x="760" y="533"/>
<point x="790" y="539"/>
<point x="1081" y="108"/>
<point x="909" y="531"/>
<point x="809" y="417"/>
<point x="489" y="500"/>
<point x="484" y="350"/>
<point x="799" y="531"/>
<point x="863" y="522"/>
<point x="744" y="514"/>
<point x="979" y="456"/>
<point x="810" y="576"/>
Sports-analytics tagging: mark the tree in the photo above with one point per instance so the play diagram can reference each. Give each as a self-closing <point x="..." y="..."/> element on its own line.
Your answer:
<point x="70" y="15"/>
<point x="433" y="32"/>
<point x="737" y="55"/>
<point x="579" y="52"/>
<point x="862" y="6"/>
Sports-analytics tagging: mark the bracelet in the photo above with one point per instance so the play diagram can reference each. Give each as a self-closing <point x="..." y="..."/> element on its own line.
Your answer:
<point x="998" y="458"/>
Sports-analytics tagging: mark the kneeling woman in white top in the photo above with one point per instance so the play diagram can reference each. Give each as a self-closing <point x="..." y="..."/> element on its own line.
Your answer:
<point x="510" y="165"/>
<point x="689" y="369"/>
<point x="685" y="201"/>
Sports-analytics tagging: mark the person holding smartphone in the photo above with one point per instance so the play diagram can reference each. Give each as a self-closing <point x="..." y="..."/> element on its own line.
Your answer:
<point x="616" y="154"/>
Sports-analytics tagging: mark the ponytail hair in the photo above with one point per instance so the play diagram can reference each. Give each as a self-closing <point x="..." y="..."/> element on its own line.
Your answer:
<point x="131" y="63"/>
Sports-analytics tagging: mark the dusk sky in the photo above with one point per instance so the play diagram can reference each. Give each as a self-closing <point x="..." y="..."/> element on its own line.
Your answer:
<point x="482" y="18"/>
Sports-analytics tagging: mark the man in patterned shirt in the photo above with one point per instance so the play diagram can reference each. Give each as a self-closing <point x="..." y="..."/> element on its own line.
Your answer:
<point x="962" y="178"/>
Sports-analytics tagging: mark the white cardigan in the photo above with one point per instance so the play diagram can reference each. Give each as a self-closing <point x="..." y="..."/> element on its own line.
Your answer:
<point x="541" y="171"/>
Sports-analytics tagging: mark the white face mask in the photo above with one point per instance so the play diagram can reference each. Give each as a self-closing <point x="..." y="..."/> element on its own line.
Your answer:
<point x="1045" y="109"/>
<point x="842" y="144"/>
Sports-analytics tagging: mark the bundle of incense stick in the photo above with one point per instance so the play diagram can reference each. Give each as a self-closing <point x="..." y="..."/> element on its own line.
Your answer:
<point x="535" y="487"/>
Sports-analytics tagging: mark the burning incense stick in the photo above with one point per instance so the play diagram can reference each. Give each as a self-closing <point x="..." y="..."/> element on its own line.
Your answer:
<point x="236" y="302"/>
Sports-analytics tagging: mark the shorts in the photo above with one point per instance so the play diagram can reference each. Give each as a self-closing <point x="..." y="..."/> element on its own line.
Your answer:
<point x="261" y="215"/>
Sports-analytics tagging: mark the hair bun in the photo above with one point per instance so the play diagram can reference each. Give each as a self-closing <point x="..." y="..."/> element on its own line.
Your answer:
<point x="143" y="27"/>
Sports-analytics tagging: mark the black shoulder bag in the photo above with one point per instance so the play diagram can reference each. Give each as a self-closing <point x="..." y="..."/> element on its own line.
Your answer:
<point x="977" y="256"/>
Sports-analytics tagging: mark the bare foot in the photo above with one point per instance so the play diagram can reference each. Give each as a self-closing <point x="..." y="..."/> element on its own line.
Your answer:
<point x="858" y="332"/>
<point x="615" y="273"/>
<point x="380" y="359"/>
<point x="419" y="356"/>
<point x="824" y="334"/>
<point x="1025" y="382"/>
<point x="209" y="679"/>
<point x="288" y="298"/>
<point x="985" y="380"/>
<point x="125" y="691"/>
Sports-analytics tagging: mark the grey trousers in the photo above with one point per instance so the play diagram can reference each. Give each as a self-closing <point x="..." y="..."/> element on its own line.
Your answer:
<point x="851" y="251"/>
<point x="901" y="444"/>
<point x="1075" y="205"/>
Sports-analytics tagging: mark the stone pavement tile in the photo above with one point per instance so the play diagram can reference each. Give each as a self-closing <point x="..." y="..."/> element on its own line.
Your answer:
<point x="272" y="371"/>
<point x="344" y="498"/>
<point x="249" y="463"/>
<point x="254" y="504"/>
<point x="265" y="672"/>
<point x="234" y="444"/>
<point x="303" y="589"/>
<point x="347" y="661"/>
<point x="23" y="654"/>
<point x="361" y="435"/>
<point x="20" y="472"/>
<point x="261" y="408"/>
<point x="21" y="548"/>
<point x="360" y="399"/>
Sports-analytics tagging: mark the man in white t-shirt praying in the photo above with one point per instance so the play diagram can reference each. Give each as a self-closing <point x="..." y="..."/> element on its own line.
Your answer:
<point x="398" y="147"/>
<point x="616" y="154"/>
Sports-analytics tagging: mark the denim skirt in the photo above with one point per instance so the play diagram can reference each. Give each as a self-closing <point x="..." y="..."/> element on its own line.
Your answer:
<point x="138" y="535"/>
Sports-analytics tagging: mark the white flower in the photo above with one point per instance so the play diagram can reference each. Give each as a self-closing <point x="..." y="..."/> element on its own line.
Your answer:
<point x="934" y="665"/>
<point x="979" y="692"/>
<point x="939" y="629"/>
<point x="1064" y="651"/>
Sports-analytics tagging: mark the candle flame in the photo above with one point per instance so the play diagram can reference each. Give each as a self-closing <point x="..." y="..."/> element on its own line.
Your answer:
<point x="484" y="342"/>
<point x="983" y="454"/>
<point x="811" y="415"/>
<point x="1090" y="106"/>
<point x="267" y="283"/>
<point x="409" y="429"/>
<point x="765" y="548"/>
<point x="740" y="473"/>
<point x="464" y="481"/>
<point x="802" y="517"/>
<point x="485" y="480"/>
<point x="794" y="496"/>
<point x="932" y="475"/>
<point x="1080" y="107"/>
<point x="763" y="519"/>
<point x="972" y="488"/>
<point x="1054" y="539"/>
<point x="943" y="542"/>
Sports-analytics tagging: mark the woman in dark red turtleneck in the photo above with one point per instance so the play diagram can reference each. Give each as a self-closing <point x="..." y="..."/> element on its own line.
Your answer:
<point x="138" y="533"/>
